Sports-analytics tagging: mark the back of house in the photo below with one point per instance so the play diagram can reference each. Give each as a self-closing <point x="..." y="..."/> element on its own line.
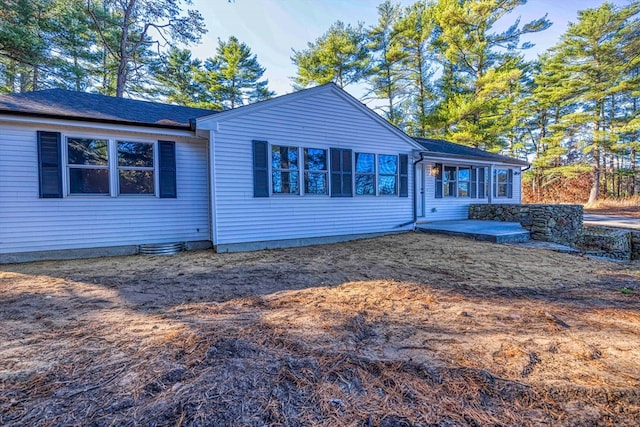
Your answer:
<point x="89" y="175"/>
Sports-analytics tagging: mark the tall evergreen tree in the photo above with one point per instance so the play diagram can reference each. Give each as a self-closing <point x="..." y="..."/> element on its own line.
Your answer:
<point x="487" y="65"/>
<point x="385" y="77"/>
<point x="23" y="46"/>
<point x="75" y="63"/>
<point x="415" y="30"/>
<point x="340" y="56"/>
<point x="234" y="77"/>
<point x="177" y="75"/>
<point x="593" y="51"/>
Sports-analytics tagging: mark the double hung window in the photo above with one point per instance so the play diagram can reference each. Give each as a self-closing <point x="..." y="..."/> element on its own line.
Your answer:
<point x="503" y="183"/>
<point x="315" y="171"/>
<point x="464" y="182"/>
<point x="284" y="170"/>
<point x="135" y="167"/>
<point x="88" y="165"/>
<point x="387" y="174"/>
<point x="450" y="180"/>
<point x="365" y="175"/>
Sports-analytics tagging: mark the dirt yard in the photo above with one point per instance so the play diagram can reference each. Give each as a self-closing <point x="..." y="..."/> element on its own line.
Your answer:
<point x="403" y="330"/>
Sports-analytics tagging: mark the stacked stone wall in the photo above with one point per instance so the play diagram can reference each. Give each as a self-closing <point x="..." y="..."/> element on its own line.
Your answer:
<point x="635" y="245"/>
<point x="606" y="242"/>
<point x="551" y="223"/>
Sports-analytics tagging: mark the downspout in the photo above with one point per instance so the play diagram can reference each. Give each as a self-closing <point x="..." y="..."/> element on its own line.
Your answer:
<point x="490" y="179"/>
<point x="415" y="189"/>
<point x="212" y="190"/>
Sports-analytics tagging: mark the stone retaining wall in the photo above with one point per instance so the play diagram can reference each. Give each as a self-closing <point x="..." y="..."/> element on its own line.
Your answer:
<point x="635" y="244"/>
<point x="550" y="223"/>
<point x="606" y="242"/>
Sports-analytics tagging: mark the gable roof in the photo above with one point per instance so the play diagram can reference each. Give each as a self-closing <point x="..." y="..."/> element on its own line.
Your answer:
<point x="67" y="104"/>
<point x="439" y="147"/>
<point x="304" y="93"/>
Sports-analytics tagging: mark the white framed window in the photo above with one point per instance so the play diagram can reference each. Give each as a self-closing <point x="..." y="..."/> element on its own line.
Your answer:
<point x="315" y="171"/>
<point x="365" y="174"/>
<point x="464" y="182"/>
<point x="285" y="173"/>
<point x="387" y="174"/>
<point x="503" y="183"/>
<point x="110" y="167"/>
<point x="136" y="167"/>
<point x="88" y="166"/>
<point x="461" y="181"/>
<point x="449" y="181"/>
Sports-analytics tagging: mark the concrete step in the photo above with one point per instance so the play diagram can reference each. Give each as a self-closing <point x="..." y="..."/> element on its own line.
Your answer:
<point x="489" y="231"/>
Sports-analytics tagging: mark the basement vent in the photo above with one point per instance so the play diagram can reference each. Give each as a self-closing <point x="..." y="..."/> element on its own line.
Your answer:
<point x="161" y="249"/>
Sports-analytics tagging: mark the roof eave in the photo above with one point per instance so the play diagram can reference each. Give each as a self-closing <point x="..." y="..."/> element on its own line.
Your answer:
<point x="94" y="120"/>
<point x="483" y="159"/>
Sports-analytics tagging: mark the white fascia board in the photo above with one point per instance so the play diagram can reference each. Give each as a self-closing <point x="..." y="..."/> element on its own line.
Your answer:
<point x="458" y="160"/>
<point x="92" y="126"/>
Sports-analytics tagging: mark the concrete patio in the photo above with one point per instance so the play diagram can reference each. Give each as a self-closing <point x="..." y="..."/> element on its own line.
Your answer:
<point x="490" y="231"/>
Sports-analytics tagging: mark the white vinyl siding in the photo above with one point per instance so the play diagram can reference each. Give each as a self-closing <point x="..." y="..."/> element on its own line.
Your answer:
<point x="323" y="121"/>
<point x="452" y="208"/>
<point x="28" y="223"/>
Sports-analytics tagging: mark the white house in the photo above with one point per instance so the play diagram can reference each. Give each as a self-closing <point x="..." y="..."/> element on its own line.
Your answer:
<point x="87" y="175"/>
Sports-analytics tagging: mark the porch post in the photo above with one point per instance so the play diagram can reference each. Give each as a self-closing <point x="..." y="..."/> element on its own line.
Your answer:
<point x="490" y="179"/>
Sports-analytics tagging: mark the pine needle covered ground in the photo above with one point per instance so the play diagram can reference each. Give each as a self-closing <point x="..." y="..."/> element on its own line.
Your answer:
<point x="403" y="330"/>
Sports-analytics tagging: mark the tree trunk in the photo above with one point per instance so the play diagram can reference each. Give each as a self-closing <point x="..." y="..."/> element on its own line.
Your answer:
<point x="594" y="194"/>
<point x="612" y="166"/>
<point x="605" y="171"/>
<point x="10" y="74"/>
<point x="36" y="75"/>
<point x="76" y="67"/>
<point x="123" y="63"/>
<point x="632" y="166"/>
<point x="595" y="187"/>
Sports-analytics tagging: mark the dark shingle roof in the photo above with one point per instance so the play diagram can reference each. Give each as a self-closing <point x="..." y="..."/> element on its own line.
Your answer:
<point x="66" y="104"/>
<point x="439" y="146"/>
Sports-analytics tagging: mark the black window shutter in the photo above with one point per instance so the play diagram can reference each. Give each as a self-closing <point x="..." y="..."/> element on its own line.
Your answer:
<point x="482" y="183"/>
<point x="341" y="173"/>
<point x="474" y="183"/>
<point x="439" y="180"/>
<point x="404" y="175"/>
<point x="260" y="169"/>
<point x="510" y="184"/>
<point x="167" y="154"/>
<point x="49" y="165"/>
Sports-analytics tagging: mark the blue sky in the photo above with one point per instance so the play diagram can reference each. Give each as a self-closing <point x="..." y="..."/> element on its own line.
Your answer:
<point x="271" y="28"/>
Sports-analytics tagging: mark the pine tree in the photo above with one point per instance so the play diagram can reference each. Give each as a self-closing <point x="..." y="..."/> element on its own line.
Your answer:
<point x="486" y="65"/>
<point x="339" y="56"/>
<point x="233" y="77"/>
<point x="593" y="51"/>
<point x="177" y="75"/>
<point x="23" y="47"/>
<point x="385" y="77"/>
<point x="76" y="63"/>
<point x="415" y="32"/>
